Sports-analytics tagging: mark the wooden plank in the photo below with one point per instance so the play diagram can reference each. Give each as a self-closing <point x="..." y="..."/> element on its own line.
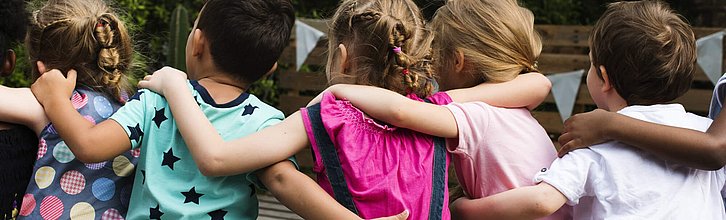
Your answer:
<point x="302" y="81"/>
<point x="290" y="104"/>
<point x="270" y="208"/>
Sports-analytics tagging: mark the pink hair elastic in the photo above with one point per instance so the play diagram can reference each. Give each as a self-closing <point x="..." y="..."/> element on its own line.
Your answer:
<point x="397" y="50"/>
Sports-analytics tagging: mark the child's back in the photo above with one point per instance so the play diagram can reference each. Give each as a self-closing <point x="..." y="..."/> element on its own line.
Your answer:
<point x="168" y="182"/>
<point x="643" y="56"/>
<point x="617" y="181"/>
<point x="88" y="37"/>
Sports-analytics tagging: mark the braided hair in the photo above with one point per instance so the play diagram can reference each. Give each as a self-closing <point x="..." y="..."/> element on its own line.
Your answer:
<point x="388" y="43"/>
<point x="84" y="35"/>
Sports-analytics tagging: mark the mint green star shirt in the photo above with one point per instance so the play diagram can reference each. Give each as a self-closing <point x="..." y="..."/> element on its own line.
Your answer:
<point x="168" y="183"/>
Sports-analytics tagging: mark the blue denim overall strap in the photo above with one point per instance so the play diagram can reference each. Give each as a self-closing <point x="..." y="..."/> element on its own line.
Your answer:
<point x="330" y="160"/>
<point x="438" y="179"/>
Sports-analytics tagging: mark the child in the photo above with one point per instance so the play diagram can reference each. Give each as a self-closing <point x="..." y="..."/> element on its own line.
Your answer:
<point x="18" y="144"/>
<point x="86" y="36"/>
<point x="233" y="43"/>
<point x="382" y="170"/>
<point x="490" y="155"/>
<point x="642" y="55"/>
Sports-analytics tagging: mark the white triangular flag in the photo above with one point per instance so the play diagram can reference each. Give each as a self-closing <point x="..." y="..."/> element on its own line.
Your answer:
<point x="565" y="87"/>
<point x="306" y="38"/>
<point x="710" y="55"/>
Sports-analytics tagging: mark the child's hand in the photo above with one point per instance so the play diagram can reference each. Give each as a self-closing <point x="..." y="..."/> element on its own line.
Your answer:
<point x="585" y="129"/>
<point x="401" y="216"/>
<point x="52" y="85"/>
<point x="164" y="79"/>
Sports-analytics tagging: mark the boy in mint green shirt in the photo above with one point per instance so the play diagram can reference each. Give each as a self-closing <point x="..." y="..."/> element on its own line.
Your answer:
<point x="233" y="43"/>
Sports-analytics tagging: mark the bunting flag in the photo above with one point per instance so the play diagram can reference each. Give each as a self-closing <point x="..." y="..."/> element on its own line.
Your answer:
<point x="710" y="55"/>
<point x="306" y="38"/>
<point x="565" y="87"/>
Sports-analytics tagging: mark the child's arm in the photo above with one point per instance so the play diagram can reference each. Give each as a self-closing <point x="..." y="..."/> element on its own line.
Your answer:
<point x="303" y="196"/>
<point x="693" y="148"/>
<point x="213" y="155"/>
<point x="18" y="106"/>
<point x="88" y="142"/>
<point x="393" y="108"/>
<point x="530" y="202"/>
<point x="527" y="90"/>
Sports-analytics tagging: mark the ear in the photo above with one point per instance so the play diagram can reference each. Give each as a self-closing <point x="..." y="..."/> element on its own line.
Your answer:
<point x="606" y="85"/>
<point x="272" y="70"/>
<point x="8" y="63"/>
<point x="459" y="65"/>
<point x="342" y="58"/>
<point x="198" y="42"/>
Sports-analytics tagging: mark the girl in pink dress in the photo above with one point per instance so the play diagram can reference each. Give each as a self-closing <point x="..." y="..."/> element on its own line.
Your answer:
<point x="371" y="168"/>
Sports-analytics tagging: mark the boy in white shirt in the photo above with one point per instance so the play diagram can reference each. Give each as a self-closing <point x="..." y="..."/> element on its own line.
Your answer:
<point x="642" y="56"/>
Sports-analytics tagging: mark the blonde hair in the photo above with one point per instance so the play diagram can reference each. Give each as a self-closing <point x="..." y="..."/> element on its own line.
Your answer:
<point x="497" y="38"/>
<point x="84" y="35"/>
<point x="371" y="29"/>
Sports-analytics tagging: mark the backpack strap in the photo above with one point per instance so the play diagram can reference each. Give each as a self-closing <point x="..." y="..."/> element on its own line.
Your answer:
<point x="329" y="156"/>
<point x="438" y="180"/>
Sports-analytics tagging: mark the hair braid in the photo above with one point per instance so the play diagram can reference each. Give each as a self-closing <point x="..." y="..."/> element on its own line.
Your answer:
<point x="108" y="55"/>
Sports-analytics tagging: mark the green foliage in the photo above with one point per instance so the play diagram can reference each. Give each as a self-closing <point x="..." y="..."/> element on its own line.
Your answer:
<point x="179" y="30"/>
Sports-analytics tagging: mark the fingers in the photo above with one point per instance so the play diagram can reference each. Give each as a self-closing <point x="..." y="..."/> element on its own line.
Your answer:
<point x="72" y="75"/>
<point x="41" y="67"/>
<point x="403" y="215"/>
<point x="564" y="138"/>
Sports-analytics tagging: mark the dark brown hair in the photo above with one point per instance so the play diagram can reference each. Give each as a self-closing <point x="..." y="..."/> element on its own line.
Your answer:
<point x="371" y="29"/>
<point x="246" y="37"/>
<point x="648" y="51"/>
<point x="85" y="35"/>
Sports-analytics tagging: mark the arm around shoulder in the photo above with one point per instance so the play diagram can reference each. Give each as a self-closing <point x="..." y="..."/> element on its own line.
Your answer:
<point x="530" y="202"/>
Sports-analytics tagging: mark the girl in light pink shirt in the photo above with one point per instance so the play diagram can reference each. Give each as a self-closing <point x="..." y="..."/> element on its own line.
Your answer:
<point x="371" y="168"/>
<point x="495" y="149"/>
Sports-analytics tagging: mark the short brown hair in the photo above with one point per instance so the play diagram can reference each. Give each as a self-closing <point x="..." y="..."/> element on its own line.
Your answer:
<point x="371" y="29"/>
<point x="648" y="50"/>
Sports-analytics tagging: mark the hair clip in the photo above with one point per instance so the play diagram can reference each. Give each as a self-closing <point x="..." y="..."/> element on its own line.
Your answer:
<point x="405" y="71"/>
<point x="396" y="50"/>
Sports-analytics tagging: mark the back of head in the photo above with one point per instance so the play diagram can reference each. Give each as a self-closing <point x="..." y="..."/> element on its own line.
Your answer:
<point x="246" y="37"/>
<point x="13" y="22"/>
<point x="371" y="30"/>
<point x="648" y="51"/>
<point x="84" y="35"/>
<point x="497" y="38"/>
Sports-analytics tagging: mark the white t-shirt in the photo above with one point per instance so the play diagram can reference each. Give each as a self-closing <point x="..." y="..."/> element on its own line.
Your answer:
<point x="617" y="181"/>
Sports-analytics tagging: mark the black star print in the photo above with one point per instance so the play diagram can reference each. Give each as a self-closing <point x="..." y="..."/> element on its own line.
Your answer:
<point x="249" y="109"/>
<point x="155" y="213"/>
<point x="253" y="190"/>
<point x="198" y="103"/>
<point x="159" y="117"/>
<point x="136" y="96"/>
<point x="143" y="176"/>
<point x="192" y="196"/>
<point x="169" y="159"/>
<point x="136" y="133"/>
<point x="217" y="215"/>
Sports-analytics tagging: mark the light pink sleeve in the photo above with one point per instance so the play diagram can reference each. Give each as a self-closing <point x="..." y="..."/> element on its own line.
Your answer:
<point x="472" y="121"/>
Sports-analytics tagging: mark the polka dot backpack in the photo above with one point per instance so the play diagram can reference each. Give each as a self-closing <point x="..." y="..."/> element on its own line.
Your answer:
<point x="62" y="187"/>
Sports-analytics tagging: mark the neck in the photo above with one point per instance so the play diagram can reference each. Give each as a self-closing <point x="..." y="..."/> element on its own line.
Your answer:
<point x="222" y="88"/>
<point x="616" y="103"/>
